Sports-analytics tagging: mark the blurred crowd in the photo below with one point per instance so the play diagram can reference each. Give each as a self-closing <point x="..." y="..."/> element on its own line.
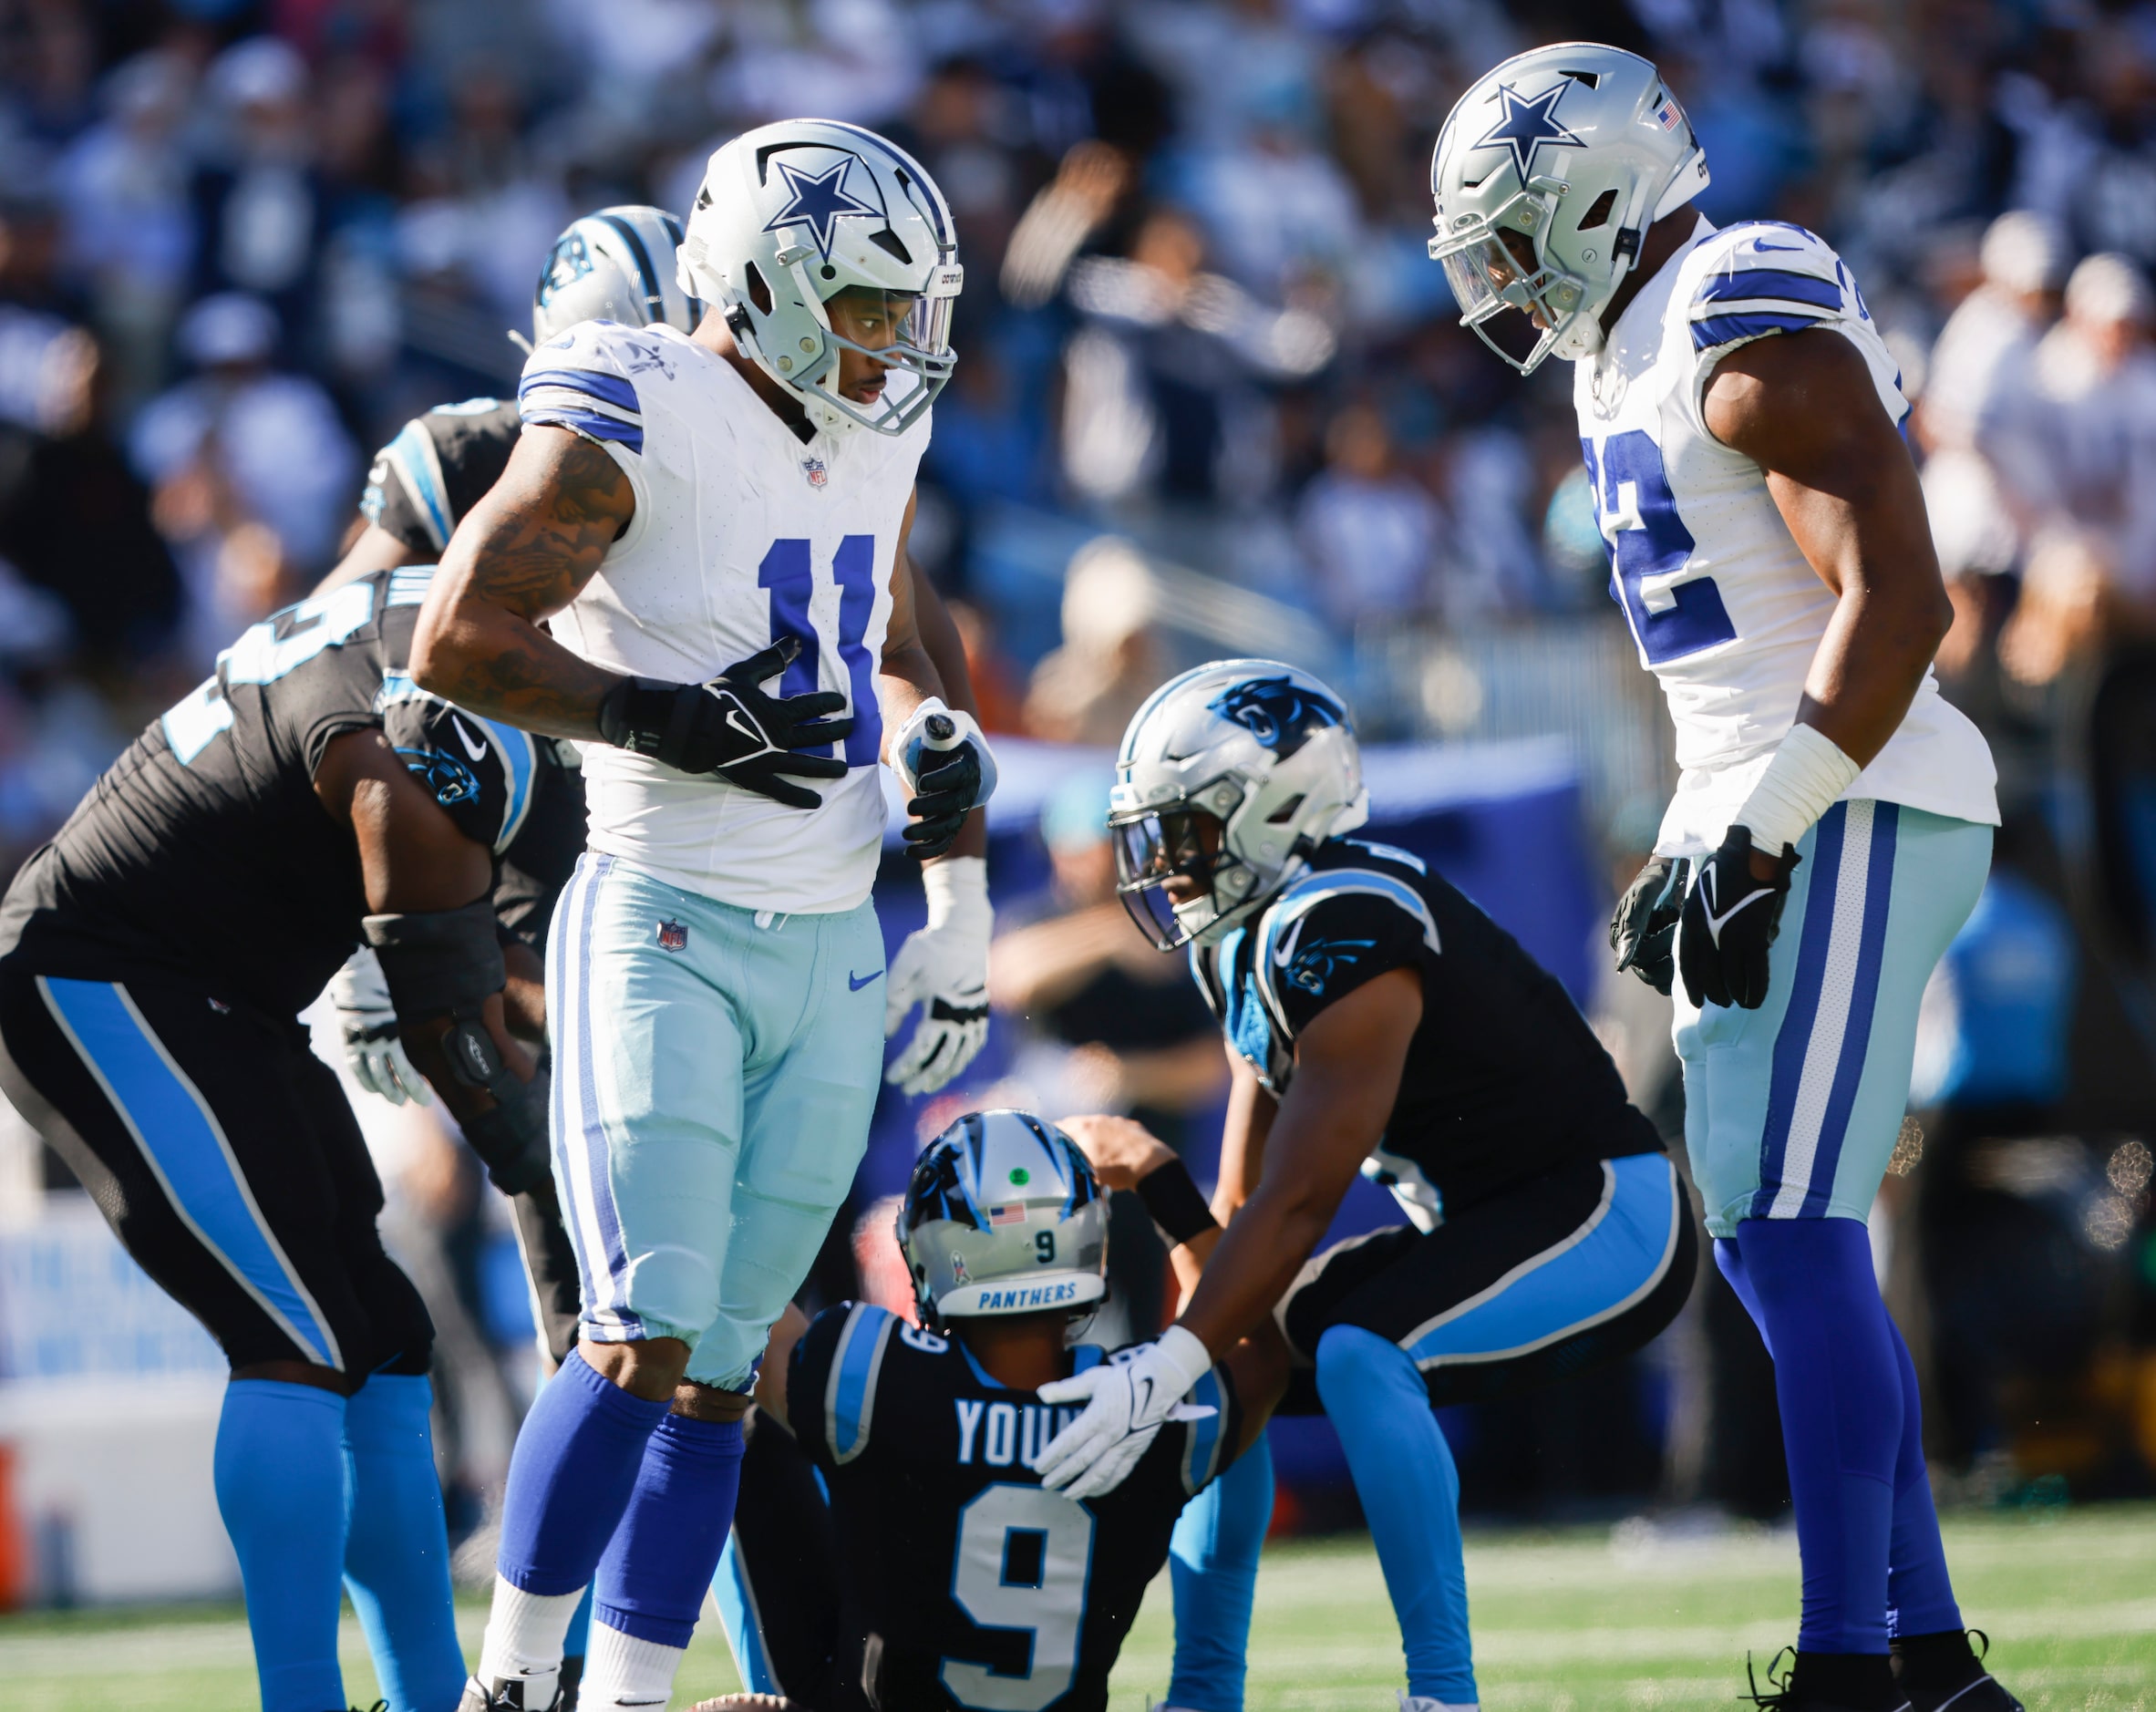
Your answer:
<point x="242" y="241"/>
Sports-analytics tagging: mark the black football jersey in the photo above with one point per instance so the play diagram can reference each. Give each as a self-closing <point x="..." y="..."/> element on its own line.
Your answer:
<point x="967" y="1583"/>
<point x="204" y="850"/>
<point x="435" y="470"/>
<point x="1504" y="1080"/>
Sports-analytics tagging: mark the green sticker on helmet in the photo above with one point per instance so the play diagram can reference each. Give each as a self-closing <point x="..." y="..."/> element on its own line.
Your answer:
<point x="1021" y="1176"/>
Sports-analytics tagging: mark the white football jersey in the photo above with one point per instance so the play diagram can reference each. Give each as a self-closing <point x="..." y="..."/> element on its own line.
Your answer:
<point x="1724" y="608"/>
<point x="742" y="534"/>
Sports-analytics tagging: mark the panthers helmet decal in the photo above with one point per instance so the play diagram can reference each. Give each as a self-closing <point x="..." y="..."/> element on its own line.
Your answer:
<point x="1003" y="1215"/>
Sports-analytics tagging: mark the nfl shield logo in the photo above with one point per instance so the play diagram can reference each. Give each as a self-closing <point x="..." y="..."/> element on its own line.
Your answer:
<point x="673" y="936"/>
<point x="958" y="1272"/>
<point x="813" y="468"/>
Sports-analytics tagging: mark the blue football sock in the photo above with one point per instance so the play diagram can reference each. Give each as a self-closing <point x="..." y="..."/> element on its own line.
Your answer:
<point x="1403" y="1473"/>
<point x="570" y="1478"/>
<point x="1212" y="1562"/>
<point x="578" y="1641"/>
<point x="652" y="1581"/>
<point x="1839" y="1383"/>
<point x="279" y="1469"/>
<point x="397" y="1553"/>
<point x="1919" y="1591"/>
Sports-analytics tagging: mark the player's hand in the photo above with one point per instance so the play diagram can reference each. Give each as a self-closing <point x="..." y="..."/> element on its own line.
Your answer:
<point x="1643" y="931"/>
<point x="1127" y="1401"/>
<point x="941" y="758"/>
<point x="943" y="969"/>
<point x="374" y="1050"/>
<point x="1730" y="920"/>
<point x="1120" y="1150"/>
<point x="731" y="726"/>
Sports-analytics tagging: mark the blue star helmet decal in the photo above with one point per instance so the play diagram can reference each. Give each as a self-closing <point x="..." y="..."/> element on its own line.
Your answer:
<point x="1527" y="124"/>
<point x="1278" y="712"/>
<point x="820" y="201"/>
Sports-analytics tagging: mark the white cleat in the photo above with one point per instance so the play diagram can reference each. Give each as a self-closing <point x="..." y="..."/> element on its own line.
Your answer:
<point x="1423" y="1703"/>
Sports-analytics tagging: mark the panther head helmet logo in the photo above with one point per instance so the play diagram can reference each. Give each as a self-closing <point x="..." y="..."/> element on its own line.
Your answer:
<point x="1278" y="712"/>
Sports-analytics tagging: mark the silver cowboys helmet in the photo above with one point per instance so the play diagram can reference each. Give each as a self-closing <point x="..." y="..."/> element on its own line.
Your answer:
<point x="793" y="214"/>
<point x="1228" y="778"/>
<point x="1003" y="1215"/>
<point x="617" y="264"/>
<point x="1546" y="177"/>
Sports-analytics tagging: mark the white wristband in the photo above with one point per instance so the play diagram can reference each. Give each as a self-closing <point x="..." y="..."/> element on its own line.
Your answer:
<point x="957" y="889"/>
<point x="1182" y="1353"/>
<point x="1805" y="778"/>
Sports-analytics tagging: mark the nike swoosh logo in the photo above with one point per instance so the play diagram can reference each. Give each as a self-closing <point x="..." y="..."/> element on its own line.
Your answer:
<point x="1285" y="953"/>
<point x="747" y="726"/>
<point x="1716" y="922"/>
<point x="478" y="752"/>
<point x="856" y="982"/>
<point x="1761" y="243"/>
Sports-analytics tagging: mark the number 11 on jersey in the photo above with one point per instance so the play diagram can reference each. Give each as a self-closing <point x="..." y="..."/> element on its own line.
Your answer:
<point x="788" y="571"/>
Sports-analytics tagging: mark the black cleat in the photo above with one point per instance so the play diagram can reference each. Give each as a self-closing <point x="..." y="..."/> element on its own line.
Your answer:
<point x="1940" y="1671"/>
<point x="1791" y="1688"/>
<point x="571" y="1681"/>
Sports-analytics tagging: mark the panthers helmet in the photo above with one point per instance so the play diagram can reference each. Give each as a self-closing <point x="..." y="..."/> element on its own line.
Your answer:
<point x="1573" y="151"/>
<point x="792" y="214"/>
<point x="617" y="264"/>
<point x="1228" y="778"/>
<point x="1002" y="1215"/>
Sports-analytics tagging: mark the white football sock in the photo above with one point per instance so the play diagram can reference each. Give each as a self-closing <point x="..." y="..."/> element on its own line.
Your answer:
<point x="622" y="1671"/>
<point x="523" y="1640"/>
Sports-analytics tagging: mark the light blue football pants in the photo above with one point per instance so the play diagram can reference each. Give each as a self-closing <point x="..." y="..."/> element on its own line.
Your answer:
<point x="715" y="1072"/>
<point x="1791" y="1110"/>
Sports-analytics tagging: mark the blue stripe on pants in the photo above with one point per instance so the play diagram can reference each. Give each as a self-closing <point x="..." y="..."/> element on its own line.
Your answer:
<point x="1820" y="1049"/>
<point x="582" y="1155"/>
<point x="1594" y="1275"/>
<point x="186" y="1146"/>
<point x="744" y="1624"/>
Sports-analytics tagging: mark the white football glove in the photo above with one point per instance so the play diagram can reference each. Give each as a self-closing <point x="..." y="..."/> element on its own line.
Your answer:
<point x="1125" y="1402"/>
<point x="943" y="968"/>
<point x="372" y="1047"/>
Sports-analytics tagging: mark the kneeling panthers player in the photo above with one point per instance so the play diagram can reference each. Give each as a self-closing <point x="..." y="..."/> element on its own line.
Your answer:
<point x="153" y="958"/>
<point x="1379" y="1022"/>
<point x="952" y="1578"/>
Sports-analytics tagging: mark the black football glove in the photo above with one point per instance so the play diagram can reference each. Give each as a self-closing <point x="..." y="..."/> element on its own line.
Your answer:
<point x="948" y="794"/>
<point x="1730" y="920"/>
<point x="731" y="727"/>
<point x="1643" y="931"/>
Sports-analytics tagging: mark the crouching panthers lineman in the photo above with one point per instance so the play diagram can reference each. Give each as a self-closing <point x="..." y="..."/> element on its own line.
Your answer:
<point x="153" y="959"/>
<point x="959" y="1581"/>
<point x="1378" y="1022"/>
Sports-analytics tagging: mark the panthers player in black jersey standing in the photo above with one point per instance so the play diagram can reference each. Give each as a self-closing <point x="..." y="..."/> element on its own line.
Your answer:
<point x="1380" y="1022"/>
<point x="153" y="958"/>
<point x="925" y="1437"/>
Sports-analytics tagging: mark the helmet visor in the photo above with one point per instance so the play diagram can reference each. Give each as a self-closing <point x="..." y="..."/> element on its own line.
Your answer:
<point x="1167" y="862"/>
<point x="906" y="335"/>
<point x="1492" y="268"/>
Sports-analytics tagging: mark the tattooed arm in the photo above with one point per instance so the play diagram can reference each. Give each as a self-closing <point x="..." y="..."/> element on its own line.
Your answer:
<point x="522" y="553"/>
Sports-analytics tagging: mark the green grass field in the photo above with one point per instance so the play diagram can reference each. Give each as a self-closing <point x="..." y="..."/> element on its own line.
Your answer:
<point x="1565" y="1621"/>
